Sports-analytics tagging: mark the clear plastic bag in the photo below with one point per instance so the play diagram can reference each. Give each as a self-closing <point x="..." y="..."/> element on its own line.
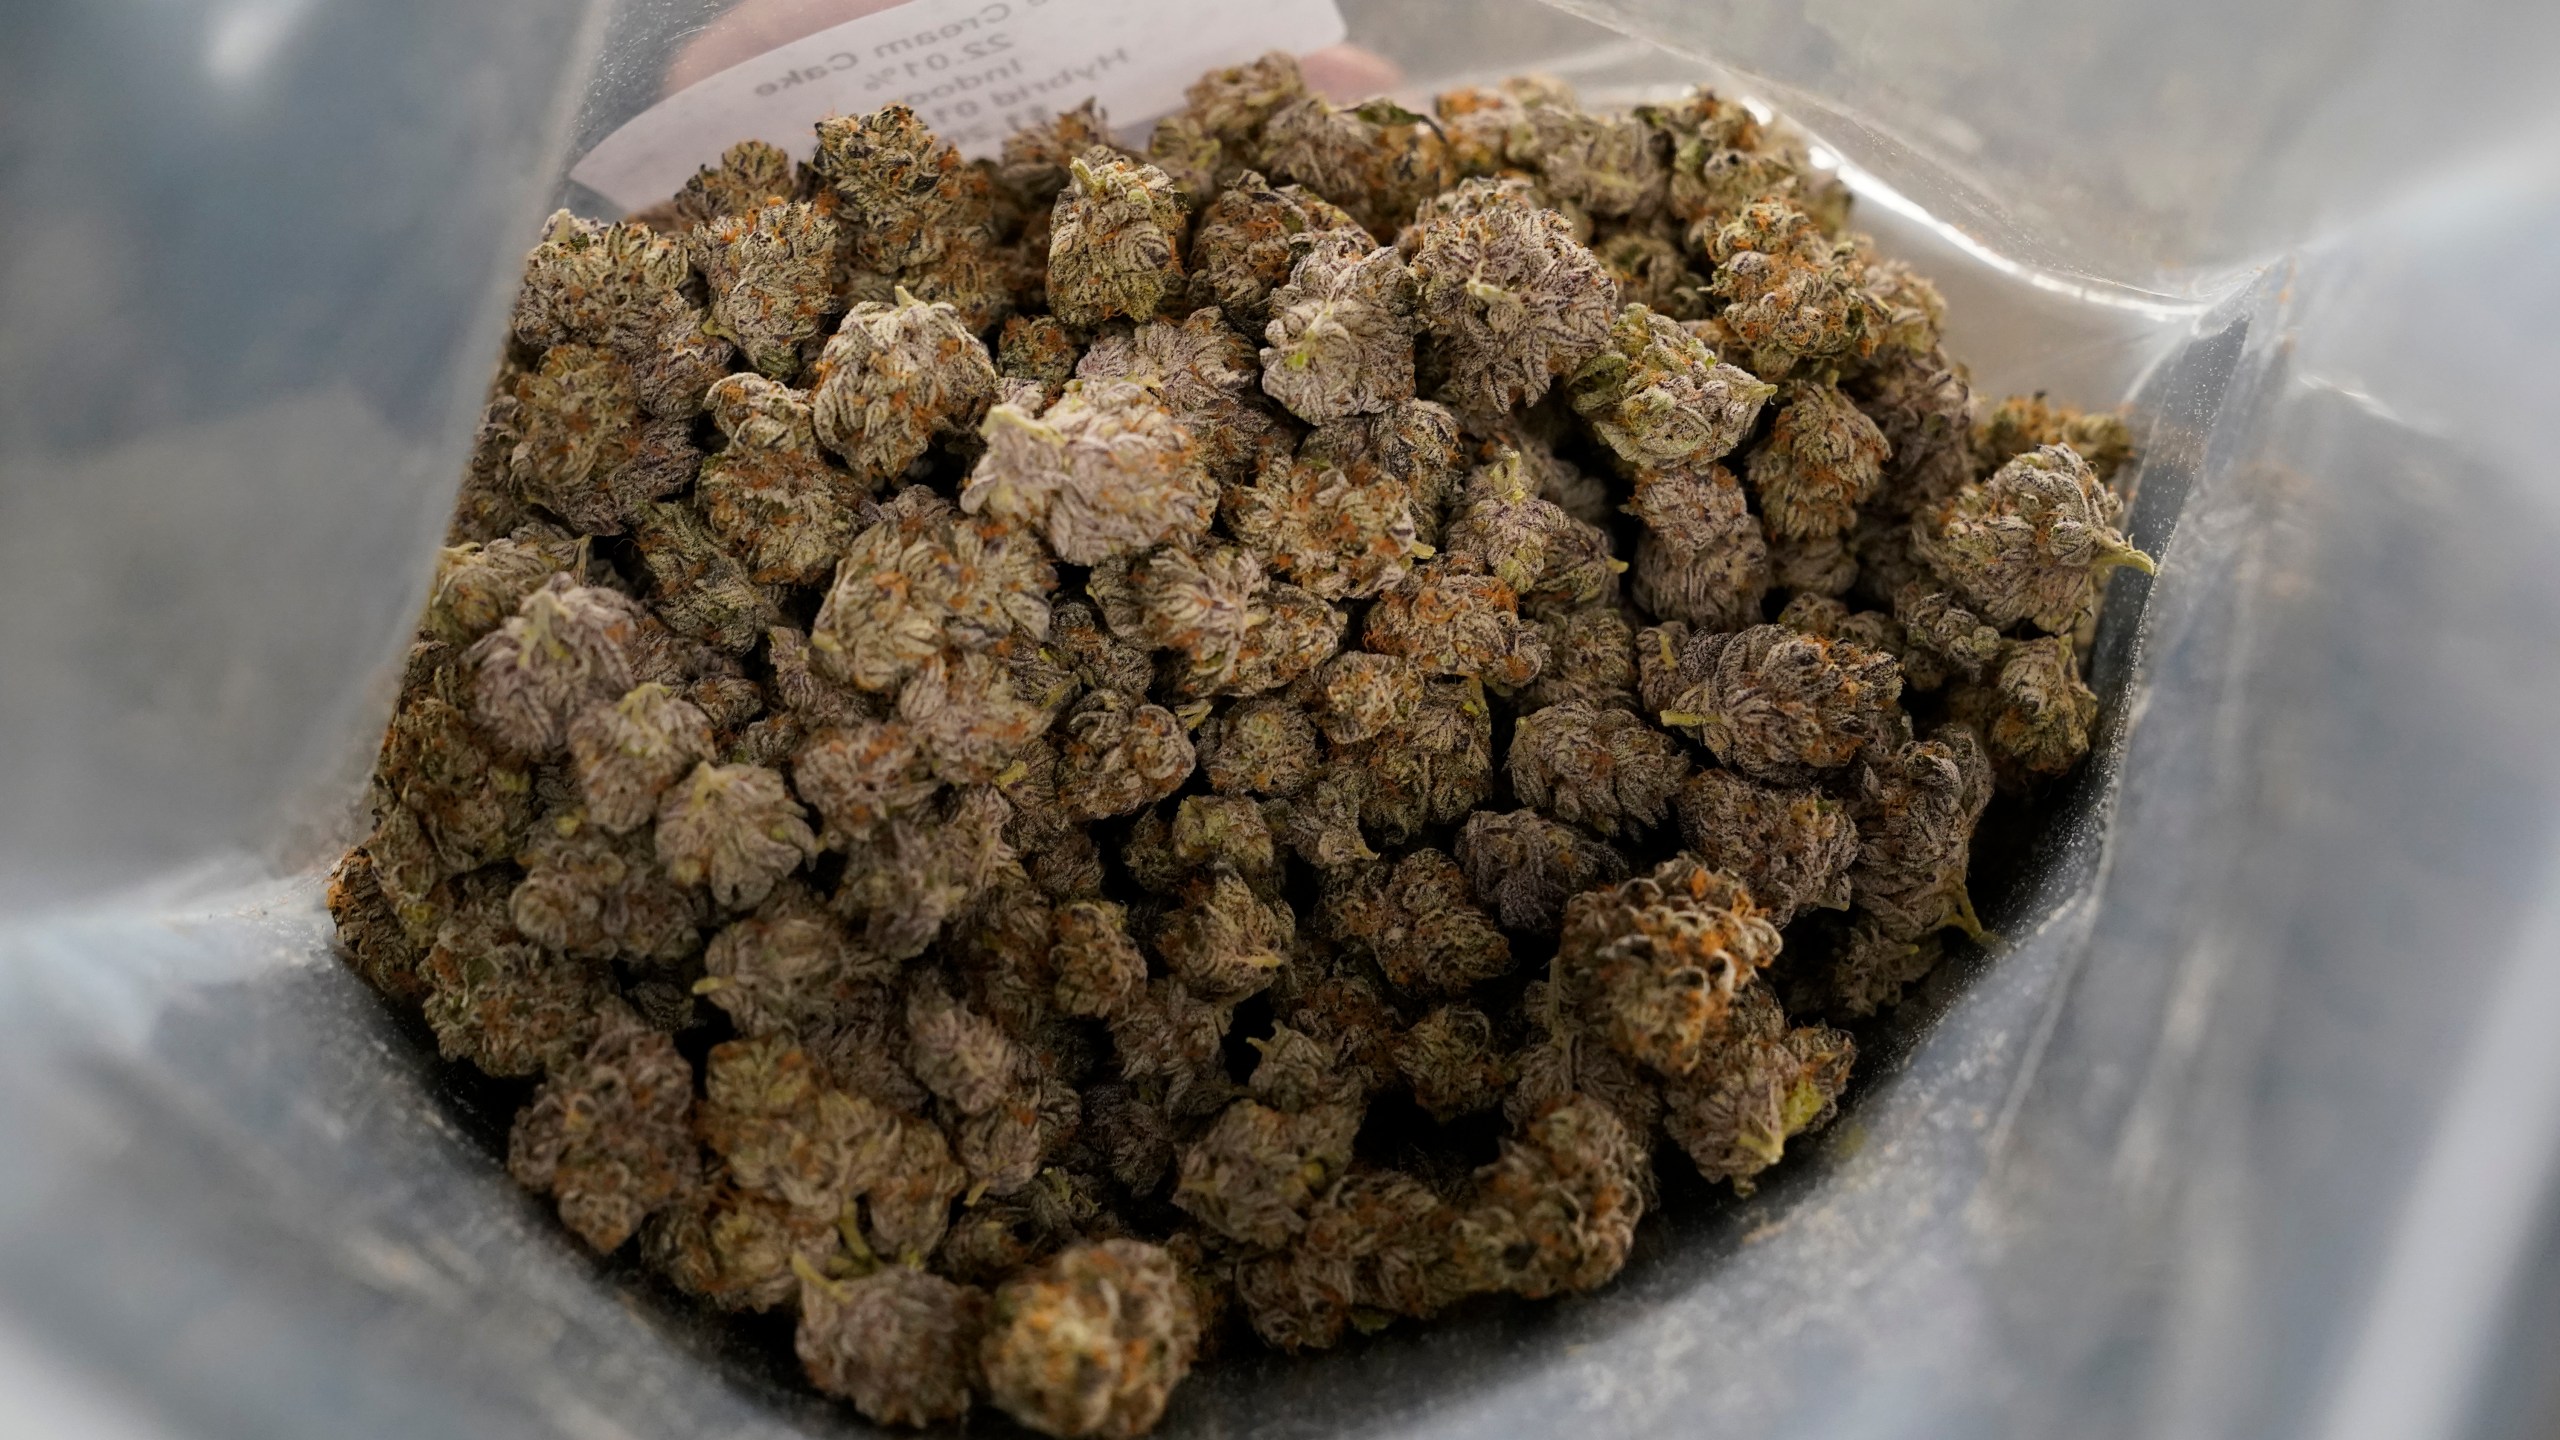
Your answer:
<point x="2246" y="1129"/>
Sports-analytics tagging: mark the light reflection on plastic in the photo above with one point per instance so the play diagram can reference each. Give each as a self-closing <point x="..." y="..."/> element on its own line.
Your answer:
<point x="242" y="40"/>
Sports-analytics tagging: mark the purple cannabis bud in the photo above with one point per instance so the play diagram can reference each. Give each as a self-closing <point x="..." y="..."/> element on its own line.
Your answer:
<point x="1915" y="806"/>
<point x="861" y="776"/>
<point x="1658" y="396"/>
<point x="601" y="896"/>
<point x="377" y="946"/>
<point x="1376" y="160"/>
<point x="785" y="968"/>
<point x="568" y="647"/>
<point x="610" y="1134"/>
<point x="1260" y="747"/>
<point x="1417" y="442"/>
<point x="1340" y="533"/>
<point x="1790" y="291"/>
<point x="1098" y="966"/>
<point x="1524" y="866"/>
<point x="599" y="284"/>
<point x="901" y="1344"/>
<point x="735" y="829"/>
<point x="498" y="1000"/>
<point x="1033" y="166"/>
<point x="1091" y="1342"/>
<point x="1702" y="559"/>
<point x="1223" y="942"/>
<point x="893" y="379"/>
<point x="1780" y="706"/>
<point x="1450" y="1059"/>
<point x="1341" y="331"/>
<point x="1119" y="755"/>
<point x="751" y="175"/>
<point x="1653" y="271"/>
<point x="1923" y="407"/>
<point x="1867" y="970"/>
<point x="909" y="195"/>
<point x="1590" y="660"/>
<point x="585" y="452"/>
<point x="1956" y="637"/>
<point x="1758" y="1084"/>
<point x="772" y="278"/>
<point x="1791" y="848"/>
<point x="1360" y="695"/>
<point x="1508" y="300"/>
<point x="1244" y="245"/>
<point x="2023" y="423"/>
<point x="1115" y="242"/>
<point x="1202" y="370"/>
<point x="2036" y="712"/>
<point x="627" y="753"/>
<point x="1105" y="471"/>
<point x="2031" y="543"/>
<point x="907" y="877"/>
<point x="1607" y="165"/>
<point x="924" y="580"/>
<point x="769" y="494"/>
<point x="698" y="588"/>
<point x="1605" y="769"/>
<point x="963" y="1057"/>
<point x="1558" y="1211"/>
<point x="1232" y="105"/>
<point x="1653" y="963"/>
<point x="1255" y="1172"/>
<point x="1452" y="622"/>
<point x="1823" y="459"/>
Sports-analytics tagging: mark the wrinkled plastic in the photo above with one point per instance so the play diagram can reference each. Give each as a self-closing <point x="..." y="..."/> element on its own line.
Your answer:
<point x="2245" y="1129"/>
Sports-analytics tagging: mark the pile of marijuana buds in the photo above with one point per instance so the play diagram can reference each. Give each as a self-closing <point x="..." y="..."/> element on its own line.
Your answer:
<point x="1048" y="764"/>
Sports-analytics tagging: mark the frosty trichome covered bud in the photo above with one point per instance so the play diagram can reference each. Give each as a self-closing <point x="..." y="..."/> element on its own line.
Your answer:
<point x="1779" y="706"/>
<point x="609" y="1134"/>
<point x="1115" y="242"/>
<point x="1341" y="331"/>
<point x="1659" y="396"/>
<point x="2029" y="544"/>
<point x="894" y="378"/>
<point x="1790" y="847"/>
<point x="1508" y="299"/>
<point x="1105" y="471"/>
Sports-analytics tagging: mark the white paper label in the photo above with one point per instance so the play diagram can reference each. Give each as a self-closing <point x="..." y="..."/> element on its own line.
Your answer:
<point x="974" y="70"/>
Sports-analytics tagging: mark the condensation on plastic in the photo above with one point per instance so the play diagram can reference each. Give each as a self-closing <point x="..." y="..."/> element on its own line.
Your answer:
<point x="2246" y="1129"/>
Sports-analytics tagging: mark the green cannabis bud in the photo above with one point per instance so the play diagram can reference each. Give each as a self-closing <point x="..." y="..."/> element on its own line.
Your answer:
<point x="1658" y="396"/>
<point x="2030" y="543"/>
<point x="1115" y="243"/>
